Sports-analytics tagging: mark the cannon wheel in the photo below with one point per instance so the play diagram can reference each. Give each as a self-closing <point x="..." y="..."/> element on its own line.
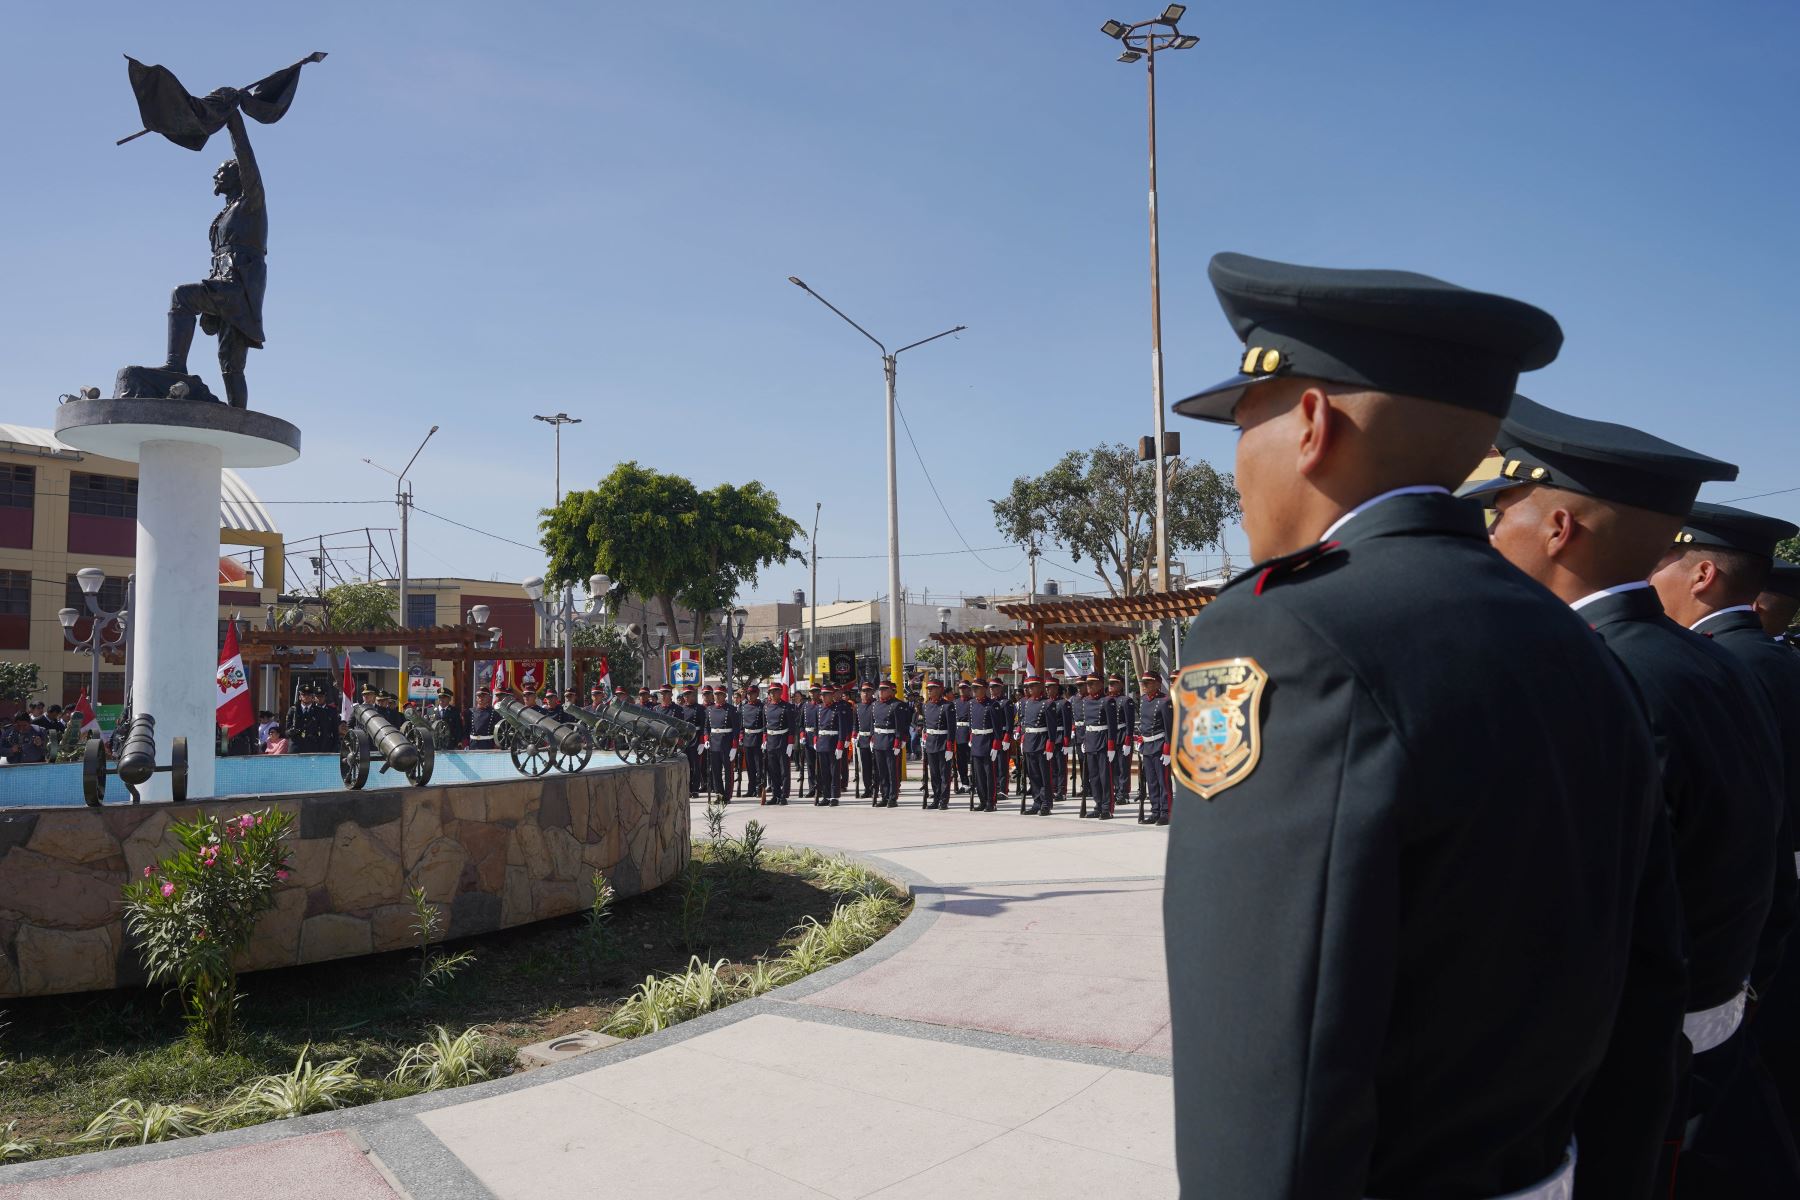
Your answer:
<point x="419" y="774"/>
<point x="353" y="759"/>
<point x="177" y="769"/>
<point x="506" y="735"/>
<point x="93" y="772"/>
<point x="571" y="763"/>
<point x="531" y="752"/>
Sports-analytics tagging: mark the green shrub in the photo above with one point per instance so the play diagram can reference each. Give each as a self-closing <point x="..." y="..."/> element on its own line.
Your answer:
<point x="436" y="969"/>
<point x="662" y="1001"/>
<point x="442" y="1062"/>
<point x="133" y="1123"/>
<point x="194" y="911"/>
<point x="696" y="894"/>
<point x="15" y="1149"/>
<point x="597" y="943"/>
<point x="309" y="1087"/>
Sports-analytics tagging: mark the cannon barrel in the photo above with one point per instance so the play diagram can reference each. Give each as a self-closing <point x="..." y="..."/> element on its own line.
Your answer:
<point x="137" y="754"/>
<point x="567" y="738"/>
<point x="390" y="742"/>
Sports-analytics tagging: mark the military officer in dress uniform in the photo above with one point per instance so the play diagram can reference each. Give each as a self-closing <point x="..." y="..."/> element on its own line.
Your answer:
<point x="937" y="728"/>
<point x="1035" y="730"/>
<point x="1003" y="711"/>
<point x="1100" y="736"/>
<point x="1065" y="716"/>
<point x="1372" y="993"/>
<point x="836" y="734"/>
<point x="753" y="723"/>
<point x="689" y="710"/>
<point x="808" y="750"/>
<point x="1155" y="723"/>
<point x="1709" y="580"/>
<point x="865" y="741"/>
<point x="890" y="722"/>
<point x="1779" y="601"/>
<point x="986" y="732"/>
<point x="781" y="730"/>
<point x="1587" y="508"/>
<point x="483" y="720"/>
<point x="960" y="781"/>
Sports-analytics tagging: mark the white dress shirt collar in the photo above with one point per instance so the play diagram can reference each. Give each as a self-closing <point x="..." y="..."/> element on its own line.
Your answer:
<point x="1582" y="603"/>
<point x="1421" y="489"/>
<point x="1749" y="608"/>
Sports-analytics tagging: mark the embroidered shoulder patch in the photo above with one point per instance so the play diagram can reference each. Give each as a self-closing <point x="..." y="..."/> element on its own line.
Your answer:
<point x="1218" y="723"/>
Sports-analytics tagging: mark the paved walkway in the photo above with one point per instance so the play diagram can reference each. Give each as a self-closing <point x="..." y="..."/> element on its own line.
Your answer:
<point x="1011" y="1039"/>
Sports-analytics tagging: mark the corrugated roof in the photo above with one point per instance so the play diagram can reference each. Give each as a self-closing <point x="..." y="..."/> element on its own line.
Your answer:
<point x="238" y="506"/>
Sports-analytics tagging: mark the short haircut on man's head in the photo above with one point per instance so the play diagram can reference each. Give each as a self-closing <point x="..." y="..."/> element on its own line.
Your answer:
<point x="1744" y="575"/>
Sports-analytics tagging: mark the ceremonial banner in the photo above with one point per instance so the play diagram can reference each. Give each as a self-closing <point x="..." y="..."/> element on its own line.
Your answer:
<point x="235" y="712"/>
<point x="168" y="109"/>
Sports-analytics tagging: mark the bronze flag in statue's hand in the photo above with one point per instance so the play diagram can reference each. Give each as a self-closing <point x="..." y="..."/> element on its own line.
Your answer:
<point x="168" y="109"/>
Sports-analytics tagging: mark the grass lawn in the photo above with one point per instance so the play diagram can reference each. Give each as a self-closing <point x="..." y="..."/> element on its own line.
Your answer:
<point x="66" y="1059"/>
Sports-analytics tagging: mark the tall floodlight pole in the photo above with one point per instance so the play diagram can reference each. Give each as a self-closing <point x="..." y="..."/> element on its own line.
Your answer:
<point x="403" y="499"/>
<point x="812" y="608"/>
<point x="1144" y="40"/>
<point x="568" y="604"/>
<point x="889" y="367"/>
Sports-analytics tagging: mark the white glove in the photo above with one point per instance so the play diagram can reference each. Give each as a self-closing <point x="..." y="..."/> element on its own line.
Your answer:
<point x="1165" y="760"/>
<point x="993" y="753"/>
<point x="897" y="750"/>
<point x="838" y="753"/>
<point x="1109" y="756"/>
<point x="731" y="754"/>
<point x="1049" y="754"/>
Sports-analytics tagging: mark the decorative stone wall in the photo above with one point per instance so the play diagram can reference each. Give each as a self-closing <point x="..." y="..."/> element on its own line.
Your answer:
<point x="489" y="855"/>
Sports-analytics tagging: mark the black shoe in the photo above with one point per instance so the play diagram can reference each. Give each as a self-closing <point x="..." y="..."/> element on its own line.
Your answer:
<point x="1044" y="811"/>
<point x="1086" y="815"/>
<point x="1146" y="820"/>
<point x="832" y="803"/>
<point x="1163" y="820"/>
<point x="1105" y="816"/>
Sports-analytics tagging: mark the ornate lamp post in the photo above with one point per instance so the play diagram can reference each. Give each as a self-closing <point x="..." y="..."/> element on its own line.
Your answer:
<point x="109" y="630"/>
<point x="944" y="647"/>
<point x="641" y="636"/>
<point x="563" y="619"/>
<point x="731" y="632"/>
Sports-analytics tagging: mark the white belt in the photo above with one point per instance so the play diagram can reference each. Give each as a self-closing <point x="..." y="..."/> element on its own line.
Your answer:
<point x="1714" y="1026"/>
<point x="1152" y="737"/>
<point x="965" y="725"/>
<point x="824" y="733"/>
<point x="983" y="732"/>
<point x="1037" y="729"/>
<point x="879" y="729"/>
<point x="777" y="729"/>
<point x="1560" y="1185"/>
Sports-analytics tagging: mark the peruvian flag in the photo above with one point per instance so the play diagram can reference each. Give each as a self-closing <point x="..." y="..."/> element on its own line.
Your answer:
<point x="605" y="676"/>
<point x="787" y="667"/>
<point x="497" y="677"/>
<point x="81" y="705"/>
<point x="1031" y="662"/>
<point x="235" y="712"/>
<point x="346" y="691"/>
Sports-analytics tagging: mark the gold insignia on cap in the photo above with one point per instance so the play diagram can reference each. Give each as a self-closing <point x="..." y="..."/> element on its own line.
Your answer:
<point x="1511" y="470"/>
<point x="1217" y="740"/>
<point x="1683" y="536"/>
<point x="1248" y="366"/>
<point x="1537" y="472"/>
<point x="1271" y="359"/>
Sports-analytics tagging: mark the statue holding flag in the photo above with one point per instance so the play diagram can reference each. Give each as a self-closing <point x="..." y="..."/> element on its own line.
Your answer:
<point x="228" y="302"/>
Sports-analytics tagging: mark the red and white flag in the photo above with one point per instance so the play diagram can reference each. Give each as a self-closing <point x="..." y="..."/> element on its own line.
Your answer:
<point x="605" y="676"/>
<point x="497" y="674"/>
<point x="787" y="667"/>
<point x="235" y="712"/>
<point x="1031" y="662"/>
<point x="346" y="691"/>
<point x="88" y="721"/>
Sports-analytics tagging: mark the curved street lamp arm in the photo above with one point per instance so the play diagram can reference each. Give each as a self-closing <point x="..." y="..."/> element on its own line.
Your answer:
<point x="934" y="337"/>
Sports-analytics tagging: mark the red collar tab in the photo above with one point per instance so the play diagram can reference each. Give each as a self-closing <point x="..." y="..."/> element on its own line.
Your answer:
<point x="1289" y="564"/>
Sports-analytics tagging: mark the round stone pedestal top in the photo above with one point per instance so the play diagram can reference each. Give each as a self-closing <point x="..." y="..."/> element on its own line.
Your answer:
<point x="117" y="428"/>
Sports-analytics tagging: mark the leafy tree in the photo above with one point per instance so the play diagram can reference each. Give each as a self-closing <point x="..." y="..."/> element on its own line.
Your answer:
<point x="1788" y="549"/>
<point x="621" y="654"/>
<point x="751" y="660"/>
<point x="1100" y="505"/>
<point x="19" y="682"/>
<point x="660" y="537"/>
<point x="361" y="606"/>
<point x="962" y="659"/>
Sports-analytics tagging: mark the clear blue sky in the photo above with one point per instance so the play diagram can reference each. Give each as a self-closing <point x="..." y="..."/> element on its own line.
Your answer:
<point x="479" y="212"/>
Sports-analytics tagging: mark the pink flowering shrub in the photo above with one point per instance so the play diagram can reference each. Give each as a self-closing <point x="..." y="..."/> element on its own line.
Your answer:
<point x="192" y="912"/>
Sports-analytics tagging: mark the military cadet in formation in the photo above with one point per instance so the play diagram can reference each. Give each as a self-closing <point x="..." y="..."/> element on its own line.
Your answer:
<point x="1097" y="719"/>
<point x="1587" y="509"/>
<point x="937" y="730"/>
<point x="724" y="737"/>
<point x="751" y="714"/>
<point x="1124" y="709"/>
<point x="1779" y="601"/>
<point x="809" y="702"/>
<point x="1709" y="580"/>
<point x="889" y="725"/>
<point x="985" y="734"/>
<point x="483" y="721"/>
<point x="836" y="735"/>
<point x="1065" y="713"/>
<point x="960" y="780"/>
<point x="780" y="732"/>
<point x="1155" y="726"/>
<point x="1035" y="729"/>
<point x="864" y="703"/>
<point x="1417" y="792"/>
<point x="689" y="710"/>
<point x="310" y="726"/>
<point x="1003" y="712"/>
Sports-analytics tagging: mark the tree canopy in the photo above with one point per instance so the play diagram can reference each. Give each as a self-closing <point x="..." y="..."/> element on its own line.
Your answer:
<point x="1100" y="505"/>
<point x="658" y="536"/>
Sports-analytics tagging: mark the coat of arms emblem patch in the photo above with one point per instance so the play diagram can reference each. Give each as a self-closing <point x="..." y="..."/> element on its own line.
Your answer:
<point x="1218" y="723"/>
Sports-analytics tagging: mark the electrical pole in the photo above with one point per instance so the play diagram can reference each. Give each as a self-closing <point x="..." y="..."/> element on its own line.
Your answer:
<point x="402" y="499"/>
<point x="568" y="603"/>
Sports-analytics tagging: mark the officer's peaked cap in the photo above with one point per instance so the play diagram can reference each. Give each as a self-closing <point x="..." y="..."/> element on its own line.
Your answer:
<point x="1733" y="529"/>
<point x="1784" y="578"/>
<point x="1540" y="445"/>
<point x="1385" y="331"/>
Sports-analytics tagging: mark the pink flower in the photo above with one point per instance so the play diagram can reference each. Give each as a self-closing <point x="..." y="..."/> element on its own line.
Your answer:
<point x="149" y="871"/>
<point x="281" y="875"/>
<point x="168" y="889"/>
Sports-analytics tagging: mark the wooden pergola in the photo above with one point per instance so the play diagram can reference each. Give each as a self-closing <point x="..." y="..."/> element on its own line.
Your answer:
<point x="1093" y="619"/>
<point x="285" y="649"/>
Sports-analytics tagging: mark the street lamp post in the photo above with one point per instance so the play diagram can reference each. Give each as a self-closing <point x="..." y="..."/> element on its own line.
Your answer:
<point x="641" y="635"/>
<point x="109" y="630"/>
<point x="403" y="499"/>
<point x="731" y="631"/>
<point x="556" y="422"/>
<point x="889" y="369"/>
<point x="478" y="616"/>
<point x="1145" y="40"/>
<point x="944" y="627"/>
<point x="561" y="618"/>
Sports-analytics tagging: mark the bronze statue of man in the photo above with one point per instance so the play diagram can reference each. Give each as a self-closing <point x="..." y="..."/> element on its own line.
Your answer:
<point x="228" y="302"/>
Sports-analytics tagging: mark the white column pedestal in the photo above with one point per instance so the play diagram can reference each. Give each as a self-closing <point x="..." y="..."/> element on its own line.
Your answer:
<point x="174" y="624"/>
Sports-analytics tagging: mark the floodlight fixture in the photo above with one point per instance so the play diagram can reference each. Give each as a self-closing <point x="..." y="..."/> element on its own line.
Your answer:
<point x="1112" y="29"/>
<point x="1173" y="13"/>
<point x="1130" y="56"/>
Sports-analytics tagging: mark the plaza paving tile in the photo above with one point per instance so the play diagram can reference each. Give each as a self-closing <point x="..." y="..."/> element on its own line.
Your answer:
<point x="320" y="1166"/>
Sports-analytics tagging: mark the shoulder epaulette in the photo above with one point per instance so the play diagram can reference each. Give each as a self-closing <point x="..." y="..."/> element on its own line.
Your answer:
<point x="1287" y="564"/>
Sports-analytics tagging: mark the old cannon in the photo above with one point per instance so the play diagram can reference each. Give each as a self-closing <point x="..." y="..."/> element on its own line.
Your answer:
<point x="639" y="734"/>
<point x="372" y="732"/>
<point x="539" y="741"/>
<point x="137" y="762"/>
